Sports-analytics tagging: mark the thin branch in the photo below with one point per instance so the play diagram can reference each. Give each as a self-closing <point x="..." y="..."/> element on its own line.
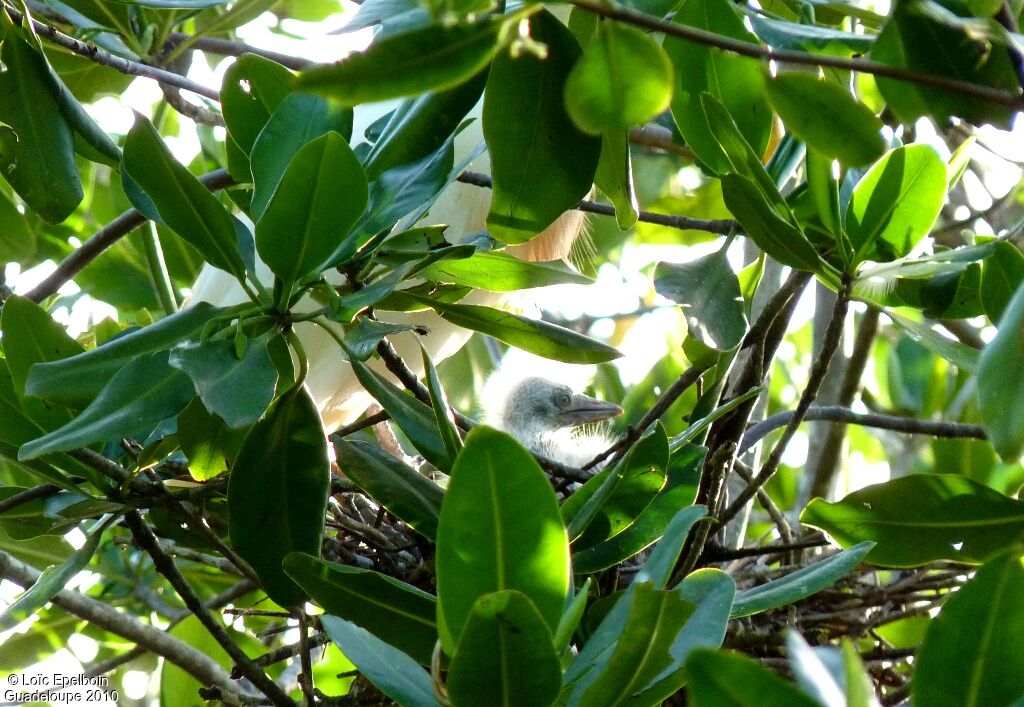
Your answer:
<point x="125" y="66"/>
<point x="828" y="348"/>
<point x="28" y="495"/>
<point x="725" y="554"/>
<point x="684" y="223"/>
<point x="838" y="413"/>
<point x="998" y="96"/>
<point x="228" y="47"/>
<point x="196" y="113"/>
<point x="656" y="137"/>
<point x="106" y="237"/>
<point x="777" y="516"/>
<point x="369" y="421"/>
<point x="165" y="566"/>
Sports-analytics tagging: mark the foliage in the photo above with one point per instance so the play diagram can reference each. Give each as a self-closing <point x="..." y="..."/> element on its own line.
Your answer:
<point x="447" y="563"/>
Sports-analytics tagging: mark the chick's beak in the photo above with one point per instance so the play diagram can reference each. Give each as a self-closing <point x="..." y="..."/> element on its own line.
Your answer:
<point x="585" y="409"/>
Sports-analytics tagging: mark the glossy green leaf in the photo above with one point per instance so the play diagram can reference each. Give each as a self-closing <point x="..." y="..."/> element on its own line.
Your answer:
<point x="501" y="272"/>
<point x="623" y="79"/>
<point x="1001" y="382"/>
<point x="298" y="120"/>
<point x="183" y="202"/>
<point x="320" y="197"/>
<point x="922" y="518"/>
<point x="813" y="38"/>
<point x="1001" y="276"/>
<point x="769" y="231"/>
<point x="571" y="616"/>
<point x="895" y="204"/>
<point x="53" y="579"/>
<point x="799" y="584"/>
<point x="136" y="399"/>
<point x="252" y="89"/>
<point x="500" y="529"/>
<point x="858" y="689"/>
<point x="973" y="652"/>
<point x="710" y="297"/>
<point x="362" y="339"/>
<point x="955" y="352"/>
<point x="277" y="493"/>
<point x="393" y="484"/>
<point x="442" y="410"/>
<point x="428" y="59"/>
<point x="414" y="418"/>
<point x="825" y="116"/>
<point x="17" y="238"/>
<point x="737" y="82"/>
<point x="389" y="609"/>
<point x="76" y="380"/>
<point x="36" y="142"/>
<point x="538" y="337"/>
<point x="614" y="177"/>
<point x="541" y="163"/>
<point x="392" y="671"/>
<point x="236" y="388"/>
<point x="207" y="441"/>
<point x="728" y="679"/>
<point x="505" y="656"/>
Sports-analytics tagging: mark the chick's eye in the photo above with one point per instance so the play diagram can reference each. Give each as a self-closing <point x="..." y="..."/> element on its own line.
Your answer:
<point x="562" y="400"/>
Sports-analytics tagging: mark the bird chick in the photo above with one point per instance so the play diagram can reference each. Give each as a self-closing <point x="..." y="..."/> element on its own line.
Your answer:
<point x="545" y="417"/>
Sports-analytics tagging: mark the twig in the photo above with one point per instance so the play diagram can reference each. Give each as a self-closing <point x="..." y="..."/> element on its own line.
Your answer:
<point x="685" y="223"/>
<point x="654" y="136"/>
<point x="369" y="421"/>
<point x="228" y="47"/>
<point x="998" y="96"/>
<point x="42" y="491"/>
<point x="106" y="237"/>
<point x="198" y="114"/>
<point x="777" y="516"/>
<point x="306" y="661"/>
<point x="726" y="554"/>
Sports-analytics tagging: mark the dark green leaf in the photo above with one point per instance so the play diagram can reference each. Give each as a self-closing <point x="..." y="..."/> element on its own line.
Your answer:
<point x="389" y="609"/>
<point x="1001" y="382"/>
<point x="973" y="652"/>
<point x="825" y="116"/>
<point x="183" y="202"/>
<point x="297" y="121"/>
<point x="320" y="197"/>
<point x="541" y="163"/>
<point x="781" y="34"/>
<point x="737" y="82"/>
<point x="505" y="656"/>
<point x="238" y="389"/>
<point x="396" y="486"/>
<point x="799" y="584"/>
<point x="572" y="616"/>
<point x="922" y="518"/>
<point x="77" y="380"/>
<point x="728" y="679"/>
<point x="501" y="272"/>
<point x="442" y="411"/>
<point x="277" y="494"/>
<point x="428" y="59"/>
<point x="500" y="529"/>
<point x="362" y="339"/>
<point x="710" y="297"/>
<point x="207" y="441"/>
<point x="136" y="399"/>
<point x="1001" y="276"/>
<point x="623" y="79"/>
<point x="538" y="337"/>
<point x="895" y="204"/>
<point x="36" y="143"/>
<point x="953" y="351"/>
<point x="396" y="674"/>
<point x="252" y="89"/>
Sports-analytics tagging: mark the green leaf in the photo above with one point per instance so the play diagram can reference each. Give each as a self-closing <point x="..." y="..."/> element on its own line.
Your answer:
<point x="393" y="484"/>
<point x="138" y="397"/>
<point x="298" y="120"/>
<point x="736" y="81"/>
<point x="362" y="339"/>
<point x="17" y="238"/>
<point x="922" y="518"/>
<point x="541" y="163"/>
<point x="537" y="337"/>
<point x="571" y="616"/>
<point x="780" y="34"/>
<point x="396" y="674"/>
<point x="1001" y="276"/>
<point x="1000" y="381"/>
<point x="500" y="529"/>
<point x="769" y="231"/>
<point x="955" y="352"/>
<point x="277" y="493"/>
<point x="811" y="670"/>
<point x="414" y="418"/>
<point x="799" y="584"/>
<point x="614" y="177"/>
<point x="442" y="411"/>
<point x="207" y="441"/>
<point x="174" y="4"/>
<point x="501" y="272"/>
<point x="428" y="59"/>
<point x="895" y="204"/>
<point x="728" y="679"/>
<point x="36" y="143"/>
<point x="252" y="89"/>
<point x="183" y="202"/>
<point x="623" y="79"/>
<point x="238" y="389"/>
<point x="177" y="686"/>
<point x="825" y="116"/>
<point x="54" y="578"/>
<point x="505" y="656"/>
<point x="389" y="609"/>
<point x="973" y="652"/>
<point x="320" y="197"/>
<point x="710" y="297"/>
<point x="76" y="380"/>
